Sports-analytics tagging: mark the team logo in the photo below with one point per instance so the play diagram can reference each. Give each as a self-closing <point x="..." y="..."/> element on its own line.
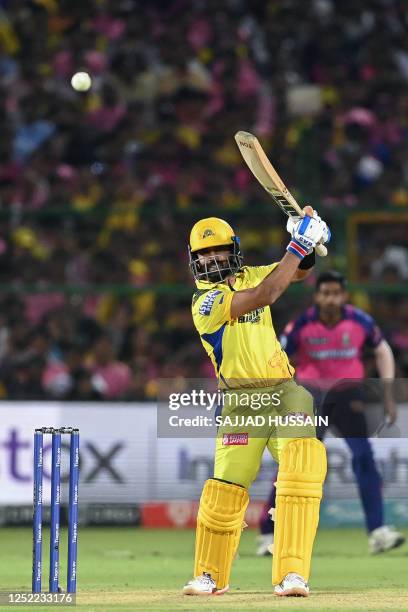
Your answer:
<point x="346" y="338"/>
<point x="207" y="233"/>
<point x="239" y="439"/>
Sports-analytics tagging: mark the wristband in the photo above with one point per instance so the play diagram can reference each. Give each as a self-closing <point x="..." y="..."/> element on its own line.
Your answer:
<point x="297" y="249"/>
<point x="308" y="262"/>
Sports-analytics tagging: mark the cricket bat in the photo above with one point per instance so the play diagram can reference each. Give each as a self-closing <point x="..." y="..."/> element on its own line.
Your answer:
<point x="265" y="173"/>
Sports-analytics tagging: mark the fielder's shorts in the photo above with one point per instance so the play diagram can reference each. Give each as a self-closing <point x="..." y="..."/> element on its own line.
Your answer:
<point x="253" y="419"/>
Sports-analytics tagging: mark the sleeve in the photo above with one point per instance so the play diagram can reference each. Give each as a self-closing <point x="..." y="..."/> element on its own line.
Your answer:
<point x="289" y="339"/>
<point x="212" y="309"/>
<point x="258" y="273"/>
<point x="373" y="333"/>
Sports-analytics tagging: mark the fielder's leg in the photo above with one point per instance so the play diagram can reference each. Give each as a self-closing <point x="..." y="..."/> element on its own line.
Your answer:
<point x="350" y="421"/>
<point x="368" y="481"/>
<point x="266" y="523"/>
<point x="381" y="537"/>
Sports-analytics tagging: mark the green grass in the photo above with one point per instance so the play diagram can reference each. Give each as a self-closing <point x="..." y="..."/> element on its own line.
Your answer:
<point x="136" y="569"/>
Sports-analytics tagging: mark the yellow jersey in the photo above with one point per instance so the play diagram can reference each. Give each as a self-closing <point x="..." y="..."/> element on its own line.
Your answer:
<point x="245" y="352"/>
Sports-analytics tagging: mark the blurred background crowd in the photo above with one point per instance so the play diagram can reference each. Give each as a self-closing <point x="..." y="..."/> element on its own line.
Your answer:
<point x="98" y="190"/>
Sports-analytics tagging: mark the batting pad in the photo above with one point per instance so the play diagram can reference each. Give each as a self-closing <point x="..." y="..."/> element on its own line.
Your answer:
<point x="219" y="524"/>
<point x="299" y="489"/>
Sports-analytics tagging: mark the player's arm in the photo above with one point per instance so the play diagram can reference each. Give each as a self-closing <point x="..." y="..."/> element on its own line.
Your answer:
<point x="385" y="363"/>
<point x="305" y="268"/>
<point x="268" y="291"/>
<point x="306" y="234"/>
<point x="300" y="275"/>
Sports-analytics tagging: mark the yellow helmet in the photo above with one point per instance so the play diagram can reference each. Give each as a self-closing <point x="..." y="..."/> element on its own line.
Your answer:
<point x="212" y="233"/>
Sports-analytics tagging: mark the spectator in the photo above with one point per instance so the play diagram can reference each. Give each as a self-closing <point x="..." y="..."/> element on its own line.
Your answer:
<point x="110" y="377"/>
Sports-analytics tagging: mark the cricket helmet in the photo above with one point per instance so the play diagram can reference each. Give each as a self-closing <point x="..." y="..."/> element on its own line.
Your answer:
<point x="214" y="233"/>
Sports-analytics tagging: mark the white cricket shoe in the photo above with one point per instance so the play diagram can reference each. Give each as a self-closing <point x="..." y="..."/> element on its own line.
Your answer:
<point x="293" y="585"/>
<point x="265" y="545"/>
<point x="203" y="585"/>
<point x="384" y="538"/>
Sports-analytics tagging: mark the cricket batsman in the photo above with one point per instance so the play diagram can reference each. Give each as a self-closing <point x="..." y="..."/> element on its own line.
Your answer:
<point x="232" y="311"/>
<point x="327" y="342"/>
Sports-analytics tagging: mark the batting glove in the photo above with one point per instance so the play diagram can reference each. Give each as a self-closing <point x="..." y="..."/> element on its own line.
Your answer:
<point x="306" y="234"/>
<point x="292" y="221"/>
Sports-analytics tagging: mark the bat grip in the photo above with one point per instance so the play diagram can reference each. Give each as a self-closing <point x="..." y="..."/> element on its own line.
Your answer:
<point x="321" y="250"/>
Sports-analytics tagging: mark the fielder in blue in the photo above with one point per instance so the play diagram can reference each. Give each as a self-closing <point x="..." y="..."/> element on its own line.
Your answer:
<point x="327" y="342"/>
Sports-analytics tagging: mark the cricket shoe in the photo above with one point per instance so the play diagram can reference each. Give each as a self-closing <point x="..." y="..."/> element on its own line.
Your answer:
<point x="265" y="545"/>
<point x="384" y="538"/>
<point x="293" y="585"/>
<point x="203" y="585"/>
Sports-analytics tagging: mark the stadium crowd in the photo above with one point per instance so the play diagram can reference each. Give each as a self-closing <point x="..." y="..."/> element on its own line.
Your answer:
<point x="98" y="190"/>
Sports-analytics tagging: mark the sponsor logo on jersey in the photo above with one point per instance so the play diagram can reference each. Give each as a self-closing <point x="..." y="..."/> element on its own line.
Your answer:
<point x="349" y="353"/>
<point x="239" y="439"/>
<point x="252" y="317"/>
<point x="208" y="302"/>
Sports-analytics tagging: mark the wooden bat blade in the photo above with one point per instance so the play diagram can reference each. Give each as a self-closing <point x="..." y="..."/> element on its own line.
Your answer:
<point x="265" y="173"/>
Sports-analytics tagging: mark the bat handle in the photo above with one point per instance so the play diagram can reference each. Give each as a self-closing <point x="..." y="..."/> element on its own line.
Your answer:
<point x="321" y="250"/>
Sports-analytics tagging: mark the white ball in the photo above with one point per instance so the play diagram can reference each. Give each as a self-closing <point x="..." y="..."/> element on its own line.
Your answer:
<point x="81" y="81"/>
